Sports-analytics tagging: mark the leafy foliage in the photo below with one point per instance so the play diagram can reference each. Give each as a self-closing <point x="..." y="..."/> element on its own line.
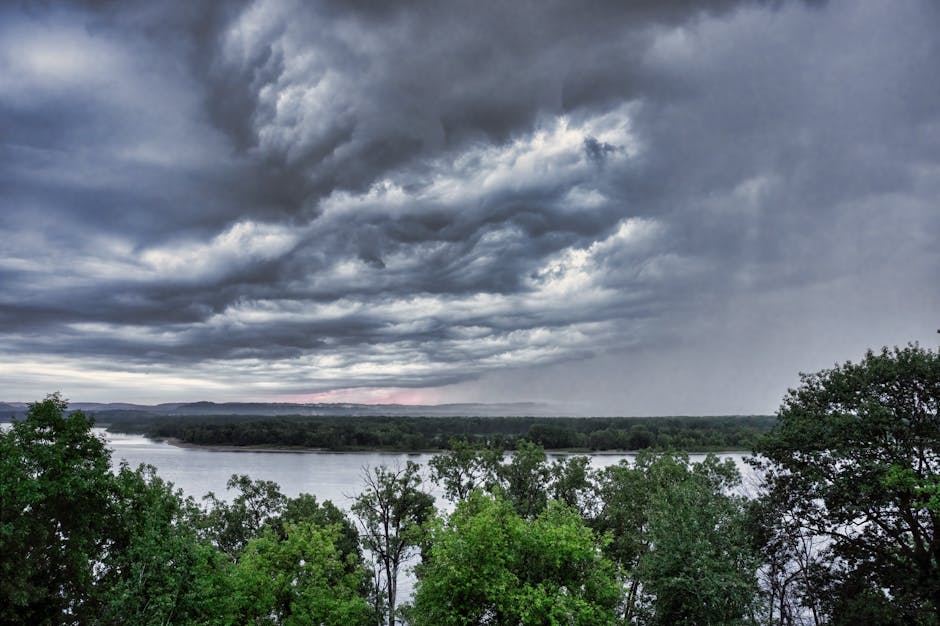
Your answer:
<point x="854" y="462"/>
<point x="525" y="477"/>
<point x="159" y="570"/>
<point x="56" y="515"/>
<point x="80" y="544"/>
<point x="679" y="535"/>
<point x="300" y="578"/>
<point x="571" y="482"/>
<point x="231" y="526"/>
<point x="699" y="567"/>
<point x="489" y="565"/>
<point x="465" y="467"/>
<point x="305" y="509"/>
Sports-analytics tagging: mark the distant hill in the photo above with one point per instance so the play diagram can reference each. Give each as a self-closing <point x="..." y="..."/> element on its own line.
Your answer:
<point x="317" y="409"/>
<point x="119" y="409"/>
<point x="11" y="409"/>
<point x="120" y="406"/>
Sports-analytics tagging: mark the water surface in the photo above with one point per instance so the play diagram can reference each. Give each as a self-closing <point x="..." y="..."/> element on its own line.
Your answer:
<point x="335" y="476"/>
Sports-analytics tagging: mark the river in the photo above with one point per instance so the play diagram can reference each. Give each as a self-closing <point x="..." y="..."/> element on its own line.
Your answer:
<point x="335" y="476"/>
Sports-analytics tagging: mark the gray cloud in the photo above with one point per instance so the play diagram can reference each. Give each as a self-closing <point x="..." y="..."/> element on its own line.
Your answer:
<point x="275" y="197"/>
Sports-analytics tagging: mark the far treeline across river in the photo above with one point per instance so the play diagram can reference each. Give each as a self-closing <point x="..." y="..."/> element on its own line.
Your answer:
<point x="424" y="433"/>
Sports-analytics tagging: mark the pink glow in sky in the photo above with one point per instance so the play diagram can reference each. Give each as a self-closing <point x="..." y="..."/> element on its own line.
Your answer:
<point x="371" y="395"/>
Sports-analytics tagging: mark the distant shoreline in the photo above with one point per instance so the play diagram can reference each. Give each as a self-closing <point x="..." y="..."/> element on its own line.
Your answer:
<point x="178" y="443"/>
<point x="419" y="434"/>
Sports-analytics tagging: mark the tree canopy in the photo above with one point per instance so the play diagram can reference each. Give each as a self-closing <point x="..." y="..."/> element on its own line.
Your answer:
<point x="56" y="514"/>
<point x="854" y="464"/>
<point x="81" y="543"/>
<point x="490" y="565"/>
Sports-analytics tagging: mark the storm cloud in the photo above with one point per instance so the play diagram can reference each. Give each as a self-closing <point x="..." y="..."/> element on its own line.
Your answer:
<point x="618" y="207"/>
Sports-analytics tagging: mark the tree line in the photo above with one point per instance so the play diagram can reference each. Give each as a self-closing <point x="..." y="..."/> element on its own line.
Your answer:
<point x="409" y="434"/>
<point x="841" y="529"/>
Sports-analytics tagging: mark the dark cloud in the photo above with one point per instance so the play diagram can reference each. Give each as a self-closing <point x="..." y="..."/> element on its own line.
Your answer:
<point x="275" y="196"/>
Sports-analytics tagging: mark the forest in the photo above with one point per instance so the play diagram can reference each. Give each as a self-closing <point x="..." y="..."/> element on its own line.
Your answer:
<point x="841" y="530"/>
<point x="422" y="433"/>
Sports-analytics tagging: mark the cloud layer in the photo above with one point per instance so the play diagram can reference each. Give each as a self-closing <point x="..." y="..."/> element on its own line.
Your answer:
<point x="644" y="207"/>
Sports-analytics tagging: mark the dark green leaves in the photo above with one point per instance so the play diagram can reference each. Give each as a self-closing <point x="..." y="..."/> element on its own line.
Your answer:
<point x="56" y="514"/>
<point x="855" y="461"/>
<point x="489" y="565"/>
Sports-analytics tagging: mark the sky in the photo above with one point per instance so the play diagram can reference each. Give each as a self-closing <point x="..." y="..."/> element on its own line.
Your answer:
<point x="615" y="208"/>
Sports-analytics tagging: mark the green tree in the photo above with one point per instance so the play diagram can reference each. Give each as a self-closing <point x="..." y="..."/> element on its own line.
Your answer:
<point x="55" y="515"/>
<point x="853" y="458"/>
<point x="465" y="467"/>
<point x="158" y="570"/>
<point x="305" y="509"/>
<point x="679" y="537"/>
<point x="232" y="526"/>
<point x="489" y="565"/>
<point x="572" y="483"/>
<point x="393" y="513"/>
<point x="699" y="568"/>
<point x="299" y="578"/>
<point x="80" y="544"/>
<point x="524" y="478"/>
